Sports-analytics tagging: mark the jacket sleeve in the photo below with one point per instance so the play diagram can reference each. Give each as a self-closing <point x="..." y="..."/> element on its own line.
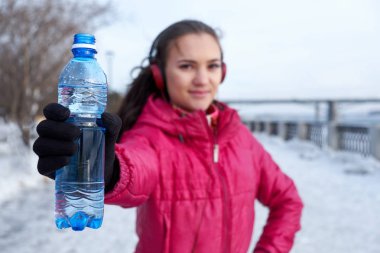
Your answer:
<point x="278" y="192"/>
<point x="138" y="171"/>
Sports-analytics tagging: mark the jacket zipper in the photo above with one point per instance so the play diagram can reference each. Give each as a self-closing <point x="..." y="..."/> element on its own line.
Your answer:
<point x="216" y="153"/>
<point x="214" y="166"/>
<point x="225" y="196"/>
<point x="225" y="207"/>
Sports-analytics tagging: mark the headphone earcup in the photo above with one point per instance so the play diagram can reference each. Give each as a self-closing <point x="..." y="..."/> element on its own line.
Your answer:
<point x="157" y="76"/>
<point x="224" y="71"/>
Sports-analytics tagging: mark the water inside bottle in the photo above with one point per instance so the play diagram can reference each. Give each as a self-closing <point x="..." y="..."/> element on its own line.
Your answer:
<point x="83" y="99"/>
<point x="79" y="205"/>
<point x="80" y="184"/>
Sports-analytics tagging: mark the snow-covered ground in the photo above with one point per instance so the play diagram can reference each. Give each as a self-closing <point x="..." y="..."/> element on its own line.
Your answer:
<point x="341" y="192"/>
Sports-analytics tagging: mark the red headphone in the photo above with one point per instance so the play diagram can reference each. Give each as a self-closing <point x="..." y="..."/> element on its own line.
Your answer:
<point x="159" y="79"/>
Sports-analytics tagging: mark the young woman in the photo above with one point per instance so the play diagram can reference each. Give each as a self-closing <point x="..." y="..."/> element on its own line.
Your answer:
<point x="186" y="161"/>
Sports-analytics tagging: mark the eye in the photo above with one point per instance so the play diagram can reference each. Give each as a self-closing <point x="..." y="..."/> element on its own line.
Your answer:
<point x="185" y="66"/>
<point x="214" y="66"/>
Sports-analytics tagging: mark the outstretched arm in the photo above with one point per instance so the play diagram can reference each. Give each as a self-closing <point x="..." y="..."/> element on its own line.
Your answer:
<point x="136" y="171"/>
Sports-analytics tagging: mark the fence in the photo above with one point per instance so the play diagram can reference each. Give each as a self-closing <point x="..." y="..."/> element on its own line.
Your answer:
<point x="360" y="139"/>
<point x="353" y="137"/>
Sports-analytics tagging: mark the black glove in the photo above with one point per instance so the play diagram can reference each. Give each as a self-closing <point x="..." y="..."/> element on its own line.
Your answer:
<point x="112" y="124"/>
<point x="55" y="144"/>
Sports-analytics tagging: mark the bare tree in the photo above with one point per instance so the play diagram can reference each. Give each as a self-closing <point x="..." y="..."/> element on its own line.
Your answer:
<point x="114" y="100"/>
<point x="35" y="38"/>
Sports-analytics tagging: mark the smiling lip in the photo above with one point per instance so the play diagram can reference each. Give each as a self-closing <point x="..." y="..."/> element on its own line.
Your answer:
<point x="199" y="93"/>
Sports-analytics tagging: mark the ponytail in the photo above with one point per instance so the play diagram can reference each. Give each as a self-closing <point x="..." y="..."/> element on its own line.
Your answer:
<point x="137" y="95"/>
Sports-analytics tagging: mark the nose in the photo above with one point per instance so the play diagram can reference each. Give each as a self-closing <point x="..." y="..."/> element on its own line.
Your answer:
<point x="201" y="77"/>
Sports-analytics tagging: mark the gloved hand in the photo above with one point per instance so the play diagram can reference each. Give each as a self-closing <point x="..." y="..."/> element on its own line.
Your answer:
<point x="55" y="143"/>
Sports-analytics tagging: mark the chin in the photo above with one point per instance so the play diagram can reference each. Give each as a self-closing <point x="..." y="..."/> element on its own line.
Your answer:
<point x="195" y="105"/>
<point x="203" y="106"/>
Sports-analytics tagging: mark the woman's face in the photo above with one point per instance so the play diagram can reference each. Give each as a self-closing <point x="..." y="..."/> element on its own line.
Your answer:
<point x="193" y="71"/>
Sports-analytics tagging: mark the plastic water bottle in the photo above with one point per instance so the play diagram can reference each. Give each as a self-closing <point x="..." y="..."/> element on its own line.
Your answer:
<point x="79" y="186"/>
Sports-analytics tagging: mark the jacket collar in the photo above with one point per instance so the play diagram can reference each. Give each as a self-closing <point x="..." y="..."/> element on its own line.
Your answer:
<point x="212" y="114"/>
<point x="193" y="125"/>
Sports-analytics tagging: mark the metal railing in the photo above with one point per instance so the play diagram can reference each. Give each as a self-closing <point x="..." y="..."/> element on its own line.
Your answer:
<point x="355" y="139"/>
<point x="327" y="132"/>
<point x="291" y="130"/>
<point x="317" y="133"/>
<point x="358" y="139"/>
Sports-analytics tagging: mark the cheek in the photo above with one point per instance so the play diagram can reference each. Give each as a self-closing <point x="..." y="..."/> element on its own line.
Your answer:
<point x="177" y="80"/>
<point x="216" y="86"/>
<point x="218" y="77"/>
<point x="175" y="84"/>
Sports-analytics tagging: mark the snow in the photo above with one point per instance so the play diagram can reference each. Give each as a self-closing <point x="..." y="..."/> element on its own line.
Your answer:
<point x="16" y="163"/>
<point x="341" y="192"/>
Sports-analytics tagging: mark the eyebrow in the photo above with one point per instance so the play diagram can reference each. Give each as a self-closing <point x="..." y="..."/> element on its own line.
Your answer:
<point x="192" y="61"/>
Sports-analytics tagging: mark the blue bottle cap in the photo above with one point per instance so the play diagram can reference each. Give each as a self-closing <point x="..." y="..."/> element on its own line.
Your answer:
<point x="84" y="40"/>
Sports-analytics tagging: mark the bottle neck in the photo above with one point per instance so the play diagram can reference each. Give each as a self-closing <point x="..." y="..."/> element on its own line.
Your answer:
<point x="84" y="52"/>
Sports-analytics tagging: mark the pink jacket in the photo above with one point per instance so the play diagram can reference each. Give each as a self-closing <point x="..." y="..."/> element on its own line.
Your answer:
<point x="195" y="189"/>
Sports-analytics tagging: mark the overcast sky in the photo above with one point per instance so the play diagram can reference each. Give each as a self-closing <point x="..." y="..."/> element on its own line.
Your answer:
<point x="273" y="49"/>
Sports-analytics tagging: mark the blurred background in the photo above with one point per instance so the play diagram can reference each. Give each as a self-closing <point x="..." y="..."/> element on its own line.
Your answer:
<point x="303" y="75"/>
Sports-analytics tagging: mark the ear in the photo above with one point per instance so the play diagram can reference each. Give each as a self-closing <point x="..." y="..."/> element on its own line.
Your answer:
<point x="157" y="76"/>
<point x="224" y="71"/>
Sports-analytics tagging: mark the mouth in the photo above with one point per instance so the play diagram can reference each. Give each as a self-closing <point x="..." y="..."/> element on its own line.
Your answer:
<point x="199" y="93"/>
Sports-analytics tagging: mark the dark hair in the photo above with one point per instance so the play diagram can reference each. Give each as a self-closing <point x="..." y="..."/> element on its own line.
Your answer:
<point x="143" y="85"/>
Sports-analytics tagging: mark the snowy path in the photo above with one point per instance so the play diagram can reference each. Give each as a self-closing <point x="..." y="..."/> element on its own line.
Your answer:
<point x="28" y="227"/>
<point x="342" y="203"/>
<point x="341" y="212"/>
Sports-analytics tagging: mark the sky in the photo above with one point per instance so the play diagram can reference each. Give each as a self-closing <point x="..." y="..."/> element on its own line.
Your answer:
<point x="273" y="48"/>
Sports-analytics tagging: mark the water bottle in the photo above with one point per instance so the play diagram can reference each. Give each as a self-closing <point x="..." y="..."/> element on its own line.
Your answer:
<point x="79" y="186"/>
